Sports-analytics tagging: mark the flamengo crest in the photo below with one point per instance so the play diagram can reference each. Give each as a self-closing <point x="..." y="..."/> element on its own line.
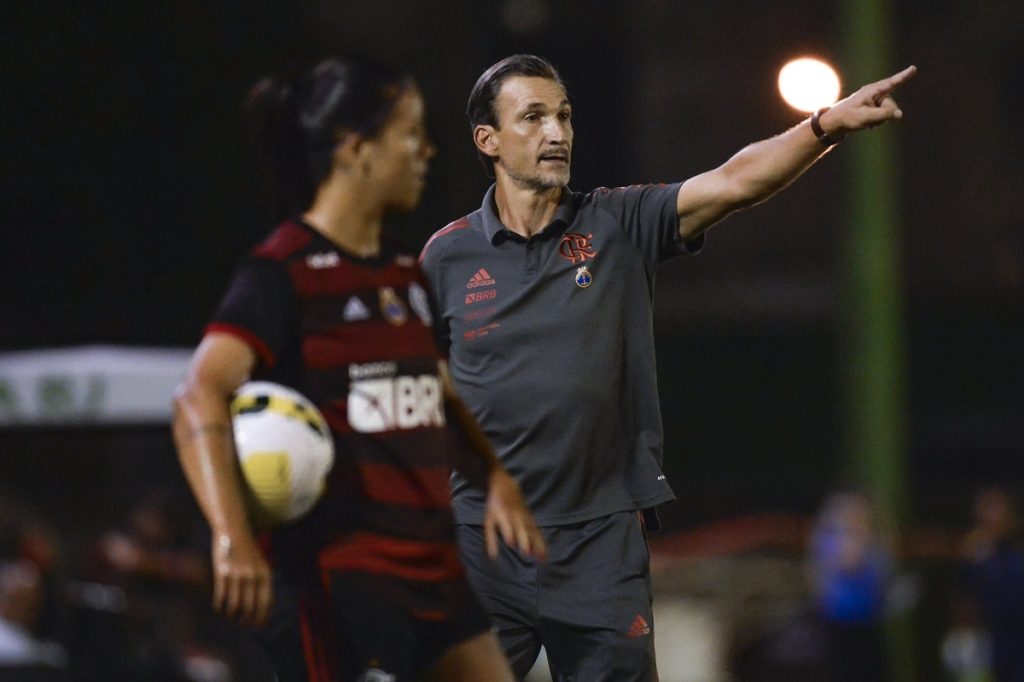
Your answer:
<point x="576" y="247"/>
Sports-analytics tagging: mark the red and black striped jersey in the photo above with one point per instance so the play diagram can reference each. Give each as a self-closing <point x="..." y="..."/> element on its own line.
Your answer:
<point x="355" y="336"/>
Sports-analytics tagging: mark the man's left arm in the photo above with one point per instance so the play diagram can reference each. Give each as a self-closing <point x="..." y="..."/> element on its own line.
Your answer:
<point x="761" y="169"/>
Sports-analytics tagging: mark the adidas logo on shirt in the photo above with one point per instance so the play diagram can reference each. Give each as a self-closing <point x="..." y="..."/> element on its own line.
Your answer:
<point x="482" y="278"/>
<point x="355" y="309"/>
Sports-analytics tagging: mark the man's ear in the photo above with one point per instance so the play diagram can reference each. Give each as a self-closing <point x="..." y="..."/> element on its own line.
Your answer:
<point x="486" y="140"/>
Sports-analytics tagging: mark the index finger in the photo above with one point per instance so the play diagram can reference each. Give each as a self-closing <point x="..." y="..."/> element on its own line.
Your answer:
<point x="900" y="78"/>
<point x="491" y="538"/>
<point x="523" y="538"/>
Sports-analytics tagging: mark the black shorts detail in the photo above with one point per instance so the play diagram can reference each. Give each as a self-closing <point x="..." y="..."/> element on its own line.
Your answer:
<point x="589" y="604"/>
<point x="359" y="623"/>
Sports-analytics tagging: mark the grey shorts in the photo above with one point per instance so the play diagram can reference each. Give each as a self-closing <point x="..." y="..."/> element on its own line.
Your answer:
<point x="589" y="605"/>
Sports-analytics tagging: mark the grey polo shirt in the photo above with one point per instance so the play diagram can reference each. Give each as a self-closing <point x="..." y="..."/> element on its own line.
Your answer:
<point x="550" y="344"/>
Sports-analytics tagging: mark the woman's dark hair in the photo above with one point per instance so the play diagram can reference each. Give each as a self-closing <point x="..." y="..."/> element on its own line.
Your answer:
<point x="481" y="108"/>
<point x="296" y="122"/>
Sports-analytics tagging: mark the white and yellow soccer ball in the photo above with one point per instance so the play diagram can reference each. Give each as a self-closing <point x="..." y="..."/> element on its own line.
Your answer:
<point x="285" y="451"/>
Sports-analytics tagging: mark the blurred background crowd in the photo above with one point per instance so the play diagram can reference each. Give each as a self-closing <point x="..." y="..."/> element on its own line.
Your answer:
<point x="840" y="595"/>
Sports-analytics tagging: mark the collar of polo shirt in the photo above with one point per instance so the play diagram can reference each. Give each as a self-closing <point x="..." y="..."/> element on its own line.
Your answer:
<point x="494" y="228"/>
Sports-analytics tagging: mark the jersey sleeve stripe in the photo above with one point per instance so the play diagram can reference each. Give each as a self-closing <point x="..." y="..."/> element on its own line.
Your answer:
<point x="283" y="242"/>
<point x="261" y="349"/>
<point x="459" y="224"/>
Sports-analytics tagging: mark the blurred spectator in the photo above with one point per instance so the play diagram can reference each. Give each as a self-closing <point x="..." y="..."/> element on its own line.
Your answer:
<point x="28" y="609"/>
<point x="23" y="535"/>
<point x="156" y="552"/>
<point x="994" y="558"/>
<point x="140" y="612"/>
<point x="23" y="655"/>
<point x="851" y="567"/>
<point x="966" y="649"/>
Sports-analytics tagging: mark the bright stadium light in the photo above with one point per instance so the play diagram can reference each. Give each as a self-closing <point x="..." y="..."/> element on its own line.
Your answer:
<point x="807" y="84"/>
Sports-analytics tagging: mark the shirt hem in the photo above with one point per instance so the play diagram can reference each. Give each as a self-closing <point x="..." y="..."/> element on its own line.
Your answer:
<point x="475" y="517"/>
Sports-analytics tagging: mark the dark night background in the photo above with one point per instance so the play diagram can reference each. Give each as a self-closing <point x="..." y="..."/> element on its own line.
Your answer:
<point x="128" y="194"/>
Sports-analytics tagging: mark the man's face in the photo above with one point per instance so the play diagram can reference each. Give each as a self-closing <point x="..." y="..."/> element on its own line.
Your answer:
<point x="533" y="139"/>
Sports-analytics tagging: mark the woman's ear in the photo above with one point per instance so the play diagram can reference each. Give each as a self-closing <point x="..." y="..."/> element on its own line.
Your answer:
<point x="350" y="152"/>
<point x="365" y="152"/>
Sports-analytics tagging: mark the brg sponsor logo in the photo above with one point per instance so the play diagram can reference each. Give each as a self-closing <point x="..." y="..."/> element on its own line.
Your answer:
<point x="395" y="403"/>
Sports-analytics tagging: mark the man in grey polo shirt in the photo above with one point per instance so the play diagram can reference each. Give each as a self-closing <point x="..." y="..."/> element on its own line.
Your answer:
<point x="544" y="303"/>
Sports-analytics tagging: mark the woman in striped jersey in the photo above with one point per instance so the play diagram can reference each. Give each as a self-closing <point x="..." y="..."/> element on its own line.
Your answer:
<point x="368" y="586"/>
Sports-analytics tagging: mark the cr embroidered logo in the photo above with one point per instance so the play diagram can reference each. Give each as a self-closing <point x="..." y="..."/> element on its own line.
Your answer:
<point x="576" y="248"/>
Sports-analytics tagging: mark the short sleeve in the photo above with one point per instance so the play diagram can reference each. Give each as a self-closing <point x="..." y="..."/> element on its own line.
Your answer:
<point x="648" y="215"/>
<point x="429" y="270"/>
<point x="260" y="308"/>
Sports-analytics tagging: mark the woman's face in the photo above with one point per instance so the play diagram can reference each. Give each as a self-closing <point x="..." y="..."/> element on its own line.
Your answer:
<point x="403" y="153"/>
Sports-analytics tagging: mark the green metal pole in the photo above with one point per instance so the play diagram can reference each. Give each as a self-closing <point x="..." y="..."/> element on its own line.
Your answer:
<point x="874" y="308"/>
<point x="876" y="410"/>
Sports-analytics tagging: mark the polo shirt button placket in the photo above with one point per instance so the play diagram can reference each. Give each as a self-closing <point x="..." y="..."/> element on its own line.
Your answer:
<point x="532" y="263"/>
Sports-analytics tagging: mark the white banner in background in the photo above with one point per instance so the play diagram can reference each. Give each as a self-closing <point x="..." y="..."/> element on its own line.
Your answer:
<point x="89" y="385"/>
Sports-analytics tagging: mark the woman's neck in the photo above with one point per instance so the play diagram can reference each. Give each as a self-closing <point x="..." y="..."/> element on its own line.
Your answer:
<point x="344" y="219"/>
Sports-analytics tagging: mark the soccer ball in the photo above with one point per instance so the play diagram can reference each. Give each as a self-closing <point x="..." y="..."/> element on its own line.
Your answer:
<point x="285" y="451"/>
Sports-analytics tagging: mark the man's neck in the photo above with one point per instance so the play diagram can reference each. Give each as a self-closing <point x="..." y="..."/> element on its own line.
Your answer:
<point x="525" y="211"/>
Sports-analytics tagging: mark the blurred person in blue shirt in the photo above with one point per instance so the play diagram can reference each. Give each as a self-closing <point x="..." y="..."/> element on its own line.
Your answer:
<point x="851" y="567"/>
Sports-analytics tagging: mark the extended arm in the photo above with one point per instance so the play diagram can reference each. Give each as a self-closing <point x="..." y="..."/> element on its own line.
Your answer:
<point x="761" y="169"/>
<point x="203" y="436"/>
<point x="506" y="512"/>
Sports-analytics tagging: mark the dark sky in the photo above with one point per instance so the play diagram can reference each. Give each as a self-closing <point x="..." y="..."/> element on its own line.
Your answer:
<point x="128" y="193"/>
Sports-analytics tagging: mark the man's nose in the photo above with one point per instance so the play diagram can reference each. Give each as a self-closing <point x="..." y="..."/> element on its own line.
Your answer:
<point x="555" y="130"/>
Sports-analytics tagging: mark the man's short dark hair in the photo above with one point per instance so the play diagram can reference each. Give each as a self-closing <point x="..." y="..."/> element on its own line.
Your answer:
<point x="481" y="108"/>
